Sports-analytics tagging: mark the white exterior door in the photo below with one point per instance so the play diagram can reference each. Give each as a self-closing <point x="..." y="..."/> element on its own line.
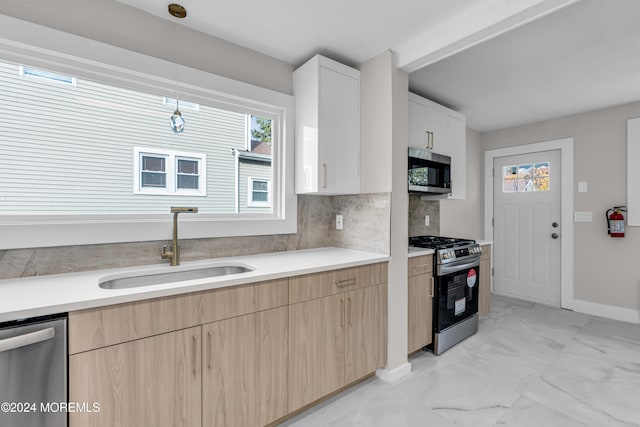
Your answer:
<point x="527" y="232"/>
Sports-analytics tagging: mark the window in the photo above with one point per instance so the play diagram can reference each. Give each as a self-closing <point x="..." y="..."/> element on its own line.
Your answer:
<point x="259" y="193"/>
<point x="184" y="105"/>
<point x="168" y="172"/>
<point x="525" y="178"/>
<point x="188" y="177"/>
<point x="68" y="151"/>
<point x="46" y="75"/>
<point x="153" y="171"/>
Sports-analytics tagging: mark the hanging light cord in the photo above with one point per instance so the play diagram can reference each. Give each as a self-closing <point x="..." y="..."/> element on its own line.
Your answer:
<point x="177" y="68"/>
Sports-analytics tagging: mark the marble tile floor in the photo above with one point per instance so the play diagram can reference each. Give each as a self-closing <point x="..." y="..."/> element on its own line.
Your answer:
<point x="528" y="365"/>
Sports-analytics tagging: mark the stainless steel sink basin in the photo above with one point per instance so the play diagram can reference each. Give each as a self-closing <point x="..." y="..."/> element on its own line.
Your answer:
<point x="172" y="276"/>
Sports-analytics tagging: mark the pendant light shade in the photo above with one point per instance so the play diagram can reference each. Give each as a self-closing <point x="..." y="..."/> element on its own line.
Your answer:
<point x="177" y="121"/>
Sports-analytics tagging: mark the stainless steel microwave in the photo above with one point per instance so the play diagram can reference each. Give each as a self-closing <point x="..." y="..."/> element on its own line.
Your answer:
<point x="429" y="172"/>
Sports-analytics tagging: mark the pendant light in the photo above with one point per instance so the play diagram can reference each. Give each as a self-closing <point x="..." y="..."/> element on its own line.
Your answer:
<point x="177" y="121"/>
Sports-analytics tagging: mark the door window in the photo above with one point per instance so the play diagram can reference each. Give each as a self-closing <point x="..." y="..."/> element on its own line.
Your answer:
<point x="526" y="177"/>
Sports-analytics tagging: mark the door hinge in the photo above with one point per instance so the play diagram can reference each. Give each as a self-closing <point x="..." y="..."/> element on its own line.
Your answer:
<point x="493" y="172"/>
<point x="492" y="271"/>
<point x="492" y="222"/>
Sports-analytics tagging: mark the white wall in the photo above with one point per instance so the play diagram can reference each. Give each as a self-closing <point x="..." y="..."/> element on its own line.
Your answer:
<point x="605" y="269"/>
<point x="375" y="125"/>
<point x="384" y="135"/>
<point x="114" y="23"/>
<point x="464" y="218"/>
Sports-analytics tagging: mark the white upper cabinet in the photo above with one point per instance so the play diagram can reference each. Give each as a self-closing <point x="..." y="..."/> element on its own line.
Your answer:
<point x="441" y="130"/>
<point x="327" y="97"/>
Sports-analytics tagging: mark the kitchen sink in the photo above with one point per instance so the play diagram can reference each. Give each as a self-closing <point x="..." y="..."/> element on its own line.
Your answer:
<point x="172" y="276"/>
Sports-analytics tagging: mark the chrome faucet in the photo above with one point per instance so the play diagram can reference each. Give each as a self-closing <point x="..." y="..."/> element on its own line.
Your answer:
<point x="174" y="254"/>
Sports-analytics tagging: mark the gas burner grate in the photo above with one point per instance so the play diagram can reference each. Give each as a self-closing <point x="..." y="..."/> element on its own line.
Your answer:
<point x="438" y="242"/>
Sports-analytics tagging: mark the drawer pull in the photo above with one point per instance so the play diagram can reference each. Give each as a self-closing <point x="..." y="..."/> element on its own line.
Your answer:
<point x="346" y="282"/>
<point x="209" y="357"/>
<point x="195" y="354"/>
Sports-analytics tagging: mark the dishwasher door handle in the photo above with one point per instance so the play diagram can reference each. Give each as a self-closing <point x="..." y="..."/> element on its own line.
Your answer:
<point x="27" y="339"/>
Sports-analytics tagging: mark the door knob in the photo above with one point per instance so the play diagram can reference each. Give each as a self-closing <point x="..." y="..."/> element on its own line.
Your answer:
<point x="555" y="235"/>
<point x="554" y="225"/>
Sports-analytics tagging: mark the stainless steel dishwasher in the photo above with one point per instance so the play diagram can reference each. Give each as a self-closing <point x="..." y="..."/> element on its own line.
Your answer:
<point x="33" y="372"/>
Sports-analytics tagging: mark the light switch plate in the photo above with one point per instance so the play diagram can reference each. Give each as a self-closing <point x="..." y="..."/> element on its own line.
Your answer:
<point x="426" y="220"/>
<point x="339" y="222"/>
<point x="582" y="187"/>
<point x="583" y="216"/>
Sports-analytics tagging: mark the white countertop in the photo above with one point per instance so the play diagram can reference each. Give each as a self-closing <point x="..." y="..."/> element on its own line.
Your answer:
<point x="59" y="293"/>
<point x="419" y="251"/>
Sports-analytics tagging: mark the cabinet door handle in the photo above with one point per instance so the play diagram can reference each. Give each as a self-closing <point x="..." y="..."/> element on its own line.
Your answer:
<point x="432" y="287"/>
<point x="342" y="313"/>
<point x="349" y="312"/>
<point x="209" y="347"/>
<point x="324" y="175"/>
<point x="431" y="140"/>
<point x="195" y="354"/>
<point x="346" y="282"/>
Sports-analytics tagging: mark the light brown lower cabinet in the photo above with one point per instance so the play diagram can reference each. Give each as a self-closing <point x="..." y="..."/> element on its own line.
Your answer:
<point x="420" y="313"/>
<point x="227" y="373"/>
<point x="240" y="356"/>
<point x="153" y="381"/>
<point x="244" y="365"/>
<point x="420" y="304"/>
<point x="334" y="341"/>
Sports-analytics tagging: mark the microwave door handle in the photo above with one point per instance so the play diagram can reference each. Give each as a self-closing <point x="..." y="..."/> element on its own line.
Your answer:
<point x="26" y="339"/>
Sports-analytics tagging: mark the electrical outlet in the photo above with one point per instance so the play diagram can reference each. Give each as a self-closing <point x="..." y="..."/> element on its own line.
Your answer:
<point x="426" y="220"/>
<point x="339" y="222"/>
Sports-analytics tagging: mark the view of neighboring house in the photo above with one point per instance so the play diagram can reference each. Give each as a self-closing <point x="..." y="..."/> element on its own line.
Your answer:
<point x="106" y="149"/>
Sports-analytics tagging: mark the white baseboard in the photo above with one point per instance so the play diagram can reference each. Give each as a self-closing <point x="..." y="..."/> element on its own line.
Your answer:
<point x="391" y="375"/>
<point x="609" y="311"/>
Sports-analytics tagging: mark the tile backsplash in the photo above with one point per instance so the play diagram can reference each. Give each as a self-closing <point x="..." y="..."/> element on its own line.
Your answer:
<point x="417" y="210"/>
<point x="366" y="227"/>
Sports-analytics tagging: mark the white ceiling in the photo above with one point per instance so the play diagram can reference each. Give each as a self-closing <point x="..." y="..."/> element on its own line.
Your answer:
<point x="581" y="58"/>
<point x="294" y="30"/>
<point x="505" y="63"/>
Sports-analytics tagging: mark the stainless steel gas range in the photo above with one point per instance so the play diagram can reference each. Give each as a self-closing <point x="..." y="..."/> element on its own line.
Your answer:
<point x="455" y="300"/>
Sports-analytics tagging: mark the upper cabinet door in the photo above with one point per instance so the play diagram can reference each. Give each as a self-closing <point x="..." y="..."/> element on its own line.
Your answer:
<point x="327" y="133"/>
<point x="428" y="125"/>
<point x="436" y="128"/>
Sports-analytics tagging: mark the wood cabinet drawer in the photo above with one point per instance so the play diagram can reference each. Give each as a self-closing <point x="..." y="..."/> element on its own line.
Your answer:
<point x="99" y="327"/>
<point x="422" y="264"/>
<point x="239" y="300"/>
<point x="318" y="285"/>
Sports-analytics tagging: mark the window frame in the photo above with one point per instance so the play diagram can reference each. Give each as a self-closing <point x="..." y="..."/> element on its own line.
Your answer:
<point x="257" y="203"/>
<point x="171" y="170"/>
<point x="22" y="42"/>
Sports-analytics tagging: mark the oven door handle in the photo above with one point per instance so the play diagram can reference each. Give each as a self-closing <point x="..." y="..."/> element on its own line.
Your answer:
<point x="454" y="268"/>
<point x="26" y="339"/>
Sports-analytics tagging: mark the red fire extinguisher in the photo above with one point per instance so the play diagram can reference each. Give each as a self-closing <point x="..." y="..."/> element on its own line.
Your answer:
<point x="615" y="221"/>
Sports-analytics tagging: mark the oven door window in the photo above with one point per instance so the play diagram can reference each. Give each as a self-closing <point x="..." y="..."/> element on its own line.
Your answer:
<point x="457" y="297"/>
